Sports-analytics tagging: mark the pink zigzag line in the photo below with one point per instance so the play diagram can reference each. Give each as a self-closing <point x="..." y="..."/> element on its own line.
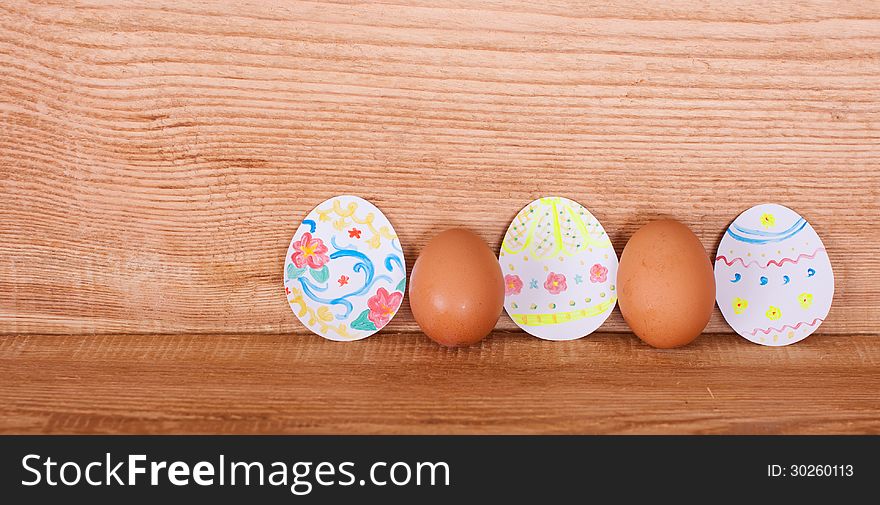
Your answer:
<point x="771" y="262"/>
<point x="767" y="332"/>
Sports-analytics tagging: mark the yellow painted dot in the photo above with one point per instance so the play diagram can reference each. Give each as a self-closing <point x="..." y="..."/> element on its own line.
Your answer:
<point x="510" y="266"/>
<point x="602" y="295"/>
<point x="612" y="287"/>
<point x="546" y="268"/>
<point x="790" y="334"/>
<point x="525" y="258"/>
<point x="588" y="300"/>
<point x="775" y="338"/>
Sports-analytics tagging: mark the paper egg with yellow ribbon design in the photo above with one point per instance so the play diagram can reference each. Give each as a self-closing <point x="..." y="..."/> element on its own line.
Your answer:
<point x="560" y="270"/>
<point x="344" y="274"/>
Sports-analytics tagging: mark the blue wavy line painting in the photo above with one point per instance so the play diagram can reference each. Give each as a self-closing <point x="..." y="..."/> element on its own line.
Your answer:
<point x="391" y="260"/>
<point x="797" y="226"/>
<point x="761" y="237"/>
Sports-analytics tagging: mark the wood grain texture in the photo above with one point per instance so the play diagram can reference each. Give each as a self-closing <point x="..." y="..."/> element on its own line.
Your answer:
<point x="402" y="383"/>
<point x="157" y="156"/>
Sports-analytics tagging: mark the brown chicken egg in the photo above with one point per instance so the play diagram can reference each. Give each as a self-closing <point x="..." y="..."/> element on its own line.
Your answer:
<point x="666" y="285"/>
<point x="456" y="290"/>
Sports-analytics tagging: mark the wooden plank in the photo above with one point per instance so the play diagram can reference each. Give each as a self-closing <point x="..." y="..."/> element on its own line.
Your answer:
<point x="156" y="157"/>
<point x="398" y="383"/>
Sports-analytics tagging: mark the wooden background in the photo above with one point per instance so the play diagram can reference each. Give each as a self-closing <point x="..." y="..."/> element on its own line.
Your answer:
<point x="157" y="156"/>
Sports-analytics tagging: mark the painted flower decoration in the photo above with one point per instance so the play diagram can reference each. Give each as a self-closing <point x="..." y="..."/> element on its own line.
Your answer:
<point x="354" y="233"/>
<point x="555" y="283"/>
<point x="382" y="306"/>
<point x="740" y="305"/>
<point x="309" y="251"/>
<point x="598" y="273"/>
<point x="512" y="284"/>
<point x="767" y="220"/>
<point x="773" y="313"/>
<point x="806" y="300"/>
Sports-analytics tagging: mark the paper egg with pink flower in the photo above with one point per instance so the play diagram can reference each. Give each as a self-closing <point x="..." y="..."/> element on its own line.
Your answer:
<point x="344" y="273"/>
<point x="560" y="270"/>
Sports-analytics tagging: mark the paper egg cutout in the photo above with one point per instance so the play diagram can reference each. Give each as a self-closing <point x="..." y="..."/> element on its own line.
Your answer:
<point x="773" y="278"/>
<point x="559" y="270"/>
<point x="345" y="274"/>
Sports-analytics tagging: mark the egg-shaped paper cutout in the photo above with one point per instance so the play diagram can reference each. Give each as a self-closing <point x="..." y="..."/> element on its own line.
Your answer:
<point x="344" y="274"/>
<point x="774" y="283"/>
<point x="560" y="270"/>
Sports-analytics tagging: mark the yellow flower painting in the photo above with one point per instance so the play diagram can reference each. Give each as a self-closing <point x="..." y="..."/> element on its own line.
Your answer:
<point x="806" y="300"/>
